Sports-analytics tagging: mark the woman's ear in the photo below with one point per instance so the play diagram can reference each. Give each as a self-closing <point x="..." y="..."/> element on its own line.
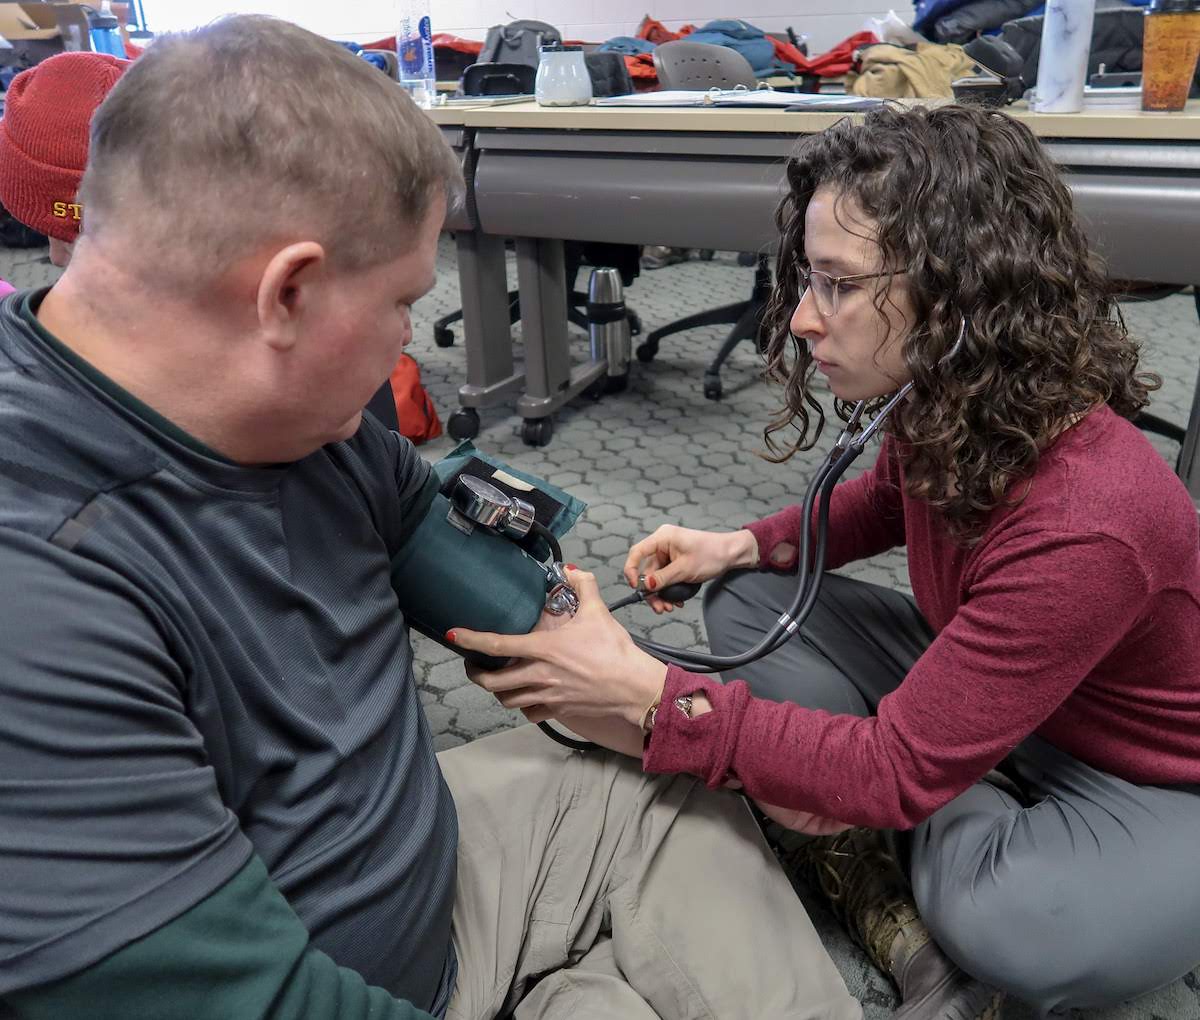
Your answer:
<point x="282" y="290"/>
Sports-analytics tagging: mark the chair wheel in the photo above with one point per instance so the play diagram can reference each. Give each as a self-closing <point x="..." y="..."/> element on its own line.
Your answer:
<point x="537" y="431"/>
<point x="463" y="424"/>
<point x="443" y="336"/>
<point x="635" y="324"/>
<point x="706" y="254"/>
<point x="712" y="389"/>
<point x="646" y="352"/>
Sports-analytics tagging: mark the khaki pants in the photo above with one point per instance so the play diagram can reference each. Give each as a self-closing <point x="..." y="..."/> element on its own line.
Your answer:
<point x="635" y="896"/>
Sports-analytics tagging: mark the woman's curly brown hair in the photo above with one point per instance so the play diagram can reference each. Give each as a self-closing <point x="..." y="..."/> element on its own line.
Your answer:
<point x="970" y="205"/>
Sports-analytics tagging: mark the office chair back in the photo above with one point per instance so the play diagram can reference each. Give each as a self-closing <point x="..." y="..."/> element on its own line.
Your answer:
<point x="690" y="65"/>
<point x="498" y="80"/>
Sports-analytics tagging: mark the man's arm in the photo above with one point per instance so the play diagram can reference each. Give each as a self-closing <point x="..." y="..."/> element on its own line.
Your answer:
<point x="126" y="887"/>
<point x="240" y="952"/>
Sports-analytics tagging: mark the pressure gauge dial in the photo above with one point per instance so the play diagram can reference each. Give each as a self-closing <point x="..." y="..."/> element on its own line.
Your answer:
<point x="476" y="502"/>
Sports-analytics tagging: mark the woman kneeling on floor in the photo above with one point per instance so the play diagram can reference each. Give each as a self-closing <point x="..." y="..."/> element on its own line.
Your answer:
<point x="1027" y="726"/>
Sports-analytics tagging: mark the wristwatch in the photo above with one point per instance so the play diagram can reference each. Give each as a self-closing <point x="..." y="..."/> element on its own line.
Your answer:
<point x="683" y="703"/>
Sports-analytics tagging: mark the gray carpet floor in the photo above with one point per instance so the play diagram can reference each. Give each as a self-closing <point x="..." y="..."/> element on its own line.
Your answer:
<point x="661" y="453"/>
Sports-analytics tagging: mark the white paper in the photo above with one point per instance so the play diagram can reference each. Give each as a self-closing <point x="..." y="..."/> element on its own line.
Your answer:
<point x="742" y="97"/>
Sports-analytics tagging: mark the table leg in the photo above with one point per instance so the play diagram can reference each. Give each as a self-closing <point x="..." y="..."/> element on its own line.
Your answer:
<point x="550" y="381"/>
<point x="487" y="335"/>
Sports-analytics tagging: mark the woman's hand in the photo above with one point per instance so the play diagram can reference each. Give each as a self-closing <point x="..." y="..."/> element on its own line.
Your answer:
<point x="588" y="667"/>
<point x="675" y="554"/>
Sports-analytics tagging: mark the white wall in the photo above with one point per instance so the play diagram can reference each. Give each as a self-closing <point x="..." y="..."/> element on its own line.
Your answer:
<point x="824" y="21"/>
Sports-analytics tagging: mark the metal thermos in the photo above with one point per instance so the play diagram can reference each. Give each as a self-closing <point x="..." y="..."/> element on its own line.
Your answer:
<point x="608" y="321"/>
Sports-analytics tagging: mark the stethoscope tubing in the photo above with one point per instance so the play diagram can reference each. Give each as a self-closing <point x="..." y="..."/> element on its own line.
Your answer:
<point x="849" y="444"/>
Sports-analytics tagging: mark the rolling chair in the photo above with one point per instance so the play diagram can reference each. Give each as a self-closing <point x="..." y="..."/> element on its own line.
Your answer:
<point x="689" y="65"/>
<point x="610" y="77"/>
<point x="1146" y="421"/>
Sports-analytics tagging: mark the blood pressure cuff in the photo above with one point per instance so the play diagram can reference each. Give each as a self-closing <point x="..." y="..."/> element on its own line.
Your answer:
<point x="554" y="509"/>
<point x="485" y="581"/>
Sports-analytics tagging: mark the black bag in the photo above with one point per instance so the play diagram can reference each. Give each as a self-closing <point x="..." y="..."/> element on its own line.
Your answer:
<point x="1116" y="39"/>
<point x="14" y="233"/>
<point x="517" y="42"/>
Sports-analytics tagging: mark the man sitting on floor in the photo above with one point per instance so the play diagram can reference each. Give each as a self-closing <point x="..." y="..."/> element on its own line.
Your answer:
<point x="218" y="793"/>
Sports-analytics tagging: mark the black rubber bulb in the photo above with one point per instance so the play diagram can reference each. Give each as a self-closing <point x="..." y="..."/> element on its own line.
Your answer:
<point x="681" y="591"/>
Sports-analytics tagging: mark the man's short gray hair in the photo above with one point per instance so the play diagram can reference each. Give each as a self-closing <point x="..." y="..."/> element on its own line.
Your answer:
<point x="252" y="130"/>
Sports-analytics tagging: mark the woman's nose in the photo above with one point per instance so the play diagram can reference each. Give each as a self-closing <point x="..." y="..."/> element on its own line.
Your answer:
<point x="806" y="320"/>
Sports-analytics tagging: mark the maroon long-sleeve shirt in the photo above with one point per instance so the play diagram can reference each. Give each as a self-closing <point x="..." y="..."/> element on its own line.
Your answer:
<point x="1076" y="617"/>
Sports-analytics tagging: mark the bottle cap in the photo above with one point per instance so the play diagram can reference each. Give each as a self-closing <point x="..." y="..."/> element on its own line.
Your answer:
<point x="1173" y="7"/>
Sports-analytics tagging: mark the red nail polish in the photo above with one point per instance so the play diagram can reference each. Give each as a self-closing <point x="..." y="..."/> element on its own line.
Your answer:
<point x="571" y="566"/>
<point x="451" y="637"/>
<point x="651" y="582"/>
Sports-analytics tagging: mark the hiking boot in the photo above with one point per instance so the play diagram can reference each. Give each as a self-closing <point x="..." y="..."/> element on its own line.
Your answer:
<point x="868" y="893"/>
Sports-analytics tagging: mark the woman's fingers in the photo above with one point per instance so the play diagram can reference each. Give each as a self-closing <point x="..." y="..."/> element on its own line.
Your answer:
<point x="634" y="562"/>
<point x="650" y="554"/>
<point x="523" y="698"/>
<point x="519" y="675"/>
<point x="499" y="646"/>
<point x="537" y="713"/>
<point x="585" y="586"/>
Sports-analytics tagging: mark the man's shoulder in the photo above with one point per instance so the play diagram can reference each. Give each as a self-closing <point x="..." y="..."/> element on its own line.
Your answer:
<point x="59" y="448"/>
<point x="383" y="464"/>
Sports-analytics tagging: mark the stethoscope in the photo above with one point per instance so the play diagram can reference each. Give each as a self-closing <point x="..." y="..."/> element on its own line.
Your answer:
<point x="846" y="449"/>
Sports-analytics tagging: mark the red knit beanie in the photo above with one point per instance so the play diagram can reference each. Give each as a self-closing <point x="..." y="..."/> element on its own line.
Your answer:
<point x="44" y="138"/>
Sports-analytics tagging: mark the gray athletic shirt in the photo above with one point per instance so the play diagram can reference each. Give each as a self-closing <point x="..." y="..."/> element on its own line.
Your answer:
<point x="200" y="660"/>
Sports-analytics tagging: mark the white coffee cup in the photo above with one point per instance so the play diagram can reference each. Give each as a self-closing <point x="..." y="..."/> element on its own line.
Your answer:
<point x="562" y="77"/>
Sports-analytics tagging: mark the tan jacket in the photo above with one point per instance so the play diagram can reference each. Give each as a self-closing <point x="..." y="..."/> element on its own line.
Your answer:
<point x="900" y="73"/>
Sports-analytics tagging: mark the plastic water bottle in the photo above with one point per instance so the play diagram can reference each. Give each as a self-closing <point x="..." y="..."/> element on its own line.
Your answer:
<point x="414" y="52"/>
<point x="105" y="31"/>
<point x="1063" y="64"/>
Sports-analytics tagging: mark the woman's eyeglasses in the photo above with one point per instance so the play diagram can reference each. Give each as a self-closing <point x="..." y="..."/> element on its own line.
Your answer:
<point x="827" y="289"/>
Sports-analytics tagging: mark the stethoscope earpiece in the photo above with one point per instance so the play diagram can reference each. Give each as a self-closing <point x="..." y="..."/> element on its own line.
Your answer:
<point x="951" y="354"/>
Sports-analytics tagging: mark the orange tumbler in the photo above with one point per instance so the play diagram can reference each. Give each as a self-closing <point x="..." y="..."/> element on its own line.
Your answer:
<point x="1170" y="48"/>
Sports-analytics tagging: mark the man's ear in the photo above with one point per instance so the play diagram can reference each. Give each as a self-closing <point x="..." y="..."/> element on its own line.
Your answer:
<point x="281" y="286"/>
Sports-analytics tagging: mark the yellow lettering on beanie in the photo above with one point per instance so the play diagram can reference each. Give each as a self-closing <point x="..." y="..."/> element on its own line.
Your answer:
<point x="68" y="211"/>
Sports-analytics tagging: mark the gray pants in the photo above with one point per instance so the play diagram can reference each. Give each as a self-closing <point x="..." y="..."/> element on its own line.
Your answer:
<point x="1084" y="895"/>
